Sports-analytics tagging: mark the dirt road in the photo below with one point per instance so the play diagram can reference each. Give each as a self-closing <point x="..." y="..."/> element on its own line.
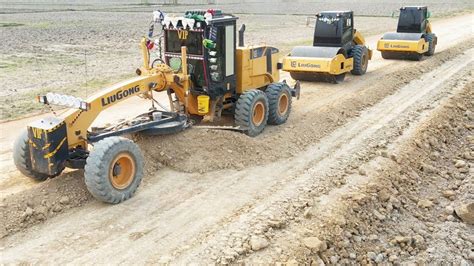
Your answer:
<point x="219" y="212"/>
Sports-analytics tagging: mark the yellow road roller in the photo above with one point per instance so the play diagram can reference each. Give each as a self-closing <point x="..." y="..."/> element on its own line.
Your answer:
<point x="337" y="49"/>
<point x="414" y="37"/>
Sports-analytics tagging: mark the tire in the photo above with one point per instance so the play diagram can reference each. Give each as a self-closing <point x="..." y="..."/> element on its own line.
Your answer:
<point x="22" y="159"/>
<point x="431" y="40"/>
<point x="114" y="169"/>
<point x="360" y="54"/>
<point x="279" y="103"/>
<point x="251" y="112"/>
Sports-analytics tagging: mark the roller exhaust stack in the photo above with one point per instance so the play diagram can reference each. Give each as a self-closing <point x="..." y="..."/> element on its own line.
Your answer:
<point x="241" y="35"/>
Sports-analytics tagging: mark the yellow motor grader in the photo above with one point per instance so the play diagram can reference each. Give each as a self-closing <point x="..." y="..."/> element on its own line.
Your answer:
<point x="338" y="48"/>
<point x="204" y="73"/>
<point x="414" y="37"/>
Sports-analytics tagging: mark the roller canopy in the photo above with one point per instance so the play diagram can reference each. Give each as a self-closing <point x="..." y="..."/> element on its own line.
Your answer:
<point x="317" y="52"/>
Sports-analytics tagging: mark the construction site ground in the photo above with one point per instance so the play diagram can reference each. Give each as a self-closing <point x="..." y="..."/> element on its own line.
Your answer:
<point x="377" y="169"/>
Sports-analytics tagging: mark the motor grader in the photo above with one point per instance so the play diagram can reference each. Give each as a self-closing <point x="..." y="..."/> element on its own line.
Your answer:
<point x="338" y="48"/>
<point x="413" y="38"/>
<point x="205" y="75"/>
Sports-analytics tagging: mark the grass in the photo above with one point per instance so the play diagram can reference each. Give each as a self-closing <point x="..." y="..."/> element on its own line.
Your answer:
<point x="10" y="24"/>
<point x="24" y="104"/>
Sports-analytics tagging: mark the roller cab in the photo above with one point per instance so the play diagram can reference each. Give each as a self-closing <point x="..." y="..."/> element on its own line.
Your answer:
<point x="337" y="49"/>
<point x="413" y="38"/>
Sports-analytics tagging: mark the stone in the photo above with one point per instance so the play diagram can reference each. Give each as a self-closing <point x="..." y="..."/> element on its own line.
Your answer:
<point x="378" y="215"/>
<point x="371" y="255"/>
<point x="393" y="258"/>
<point x="28" y="211"/>
<point x="258" y="243"/>
<point x="460" y="164"/>
<point x="449" y="193"/>
<point x="424" y="203"/>
<point x="380" y="257"/>
<point x="315" y="244"/>
<point x="362" y="171"/>
<point x="449" y="209"/>
<point x="64" y="200"/>
<point x="384" y="195"/>
<point x="465" y="212"/>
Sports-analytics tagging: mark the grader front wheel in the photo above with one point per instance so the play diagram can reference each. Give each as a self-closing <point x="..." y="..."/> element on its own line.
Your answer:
<point x="114" y="169"/>
<point x="22" y="158"/>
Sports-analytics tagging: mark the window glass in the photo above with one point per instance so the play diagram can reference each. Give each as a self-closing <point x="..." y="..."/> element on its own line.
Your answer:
<point x="176" y="39"/>
<point x="229" y="50"/>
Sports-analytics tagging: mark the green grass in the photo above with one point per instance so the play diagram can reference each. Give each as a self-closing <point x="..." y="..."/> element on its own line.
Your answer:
<point x="10" y="24"/>
<point x="25" y="104"/>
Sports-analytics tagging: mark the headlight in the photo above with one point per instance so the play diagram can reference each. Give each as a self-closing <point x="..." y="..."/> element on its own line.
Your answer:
<point x="64" y="100"/>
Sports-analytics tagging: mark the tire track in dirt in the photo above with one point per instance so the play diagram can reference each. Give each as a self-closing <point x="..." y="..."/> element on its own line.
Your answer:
<point x="174" y="224"/>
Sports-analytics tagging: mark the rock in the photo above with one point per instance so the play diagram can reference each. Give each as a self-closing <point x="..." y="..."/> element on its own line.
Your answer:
<point x="449" y="209"/>
<point x="424" y="203"/>
<point x="384" y="195"/>
<point x="402" y="239"/>
<point x="314" y="243"/>
<point x="64" y="200"/>
<point x="258" y="243"/>
<point x="460" y="164"/>
<point x="371" y="255"/>
<point x="28" y="211"/>
<point x="378" y="215"/>
<point x="449" y="193"/>
<point x="419" y="241"/>
<point x="334" y="259"/>
<point x="380" y="257"/>
<point x="352" y="256"/>
<point x="307" y="213"/>
<point x="465" y="212"/>
<point x="362" y="171"/>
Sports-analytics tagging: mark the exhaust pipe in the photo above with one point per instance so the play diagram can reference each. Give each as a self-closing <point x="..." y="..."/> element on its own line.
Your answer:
<point x="241" y="35"/>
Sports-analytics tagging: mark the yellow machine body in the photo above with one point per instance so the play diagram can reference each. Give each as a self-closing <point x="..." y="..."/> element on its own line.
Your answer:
<point x="334" y="66"/>
<point x="256" y="67"/>
<point x="420" y="46"/>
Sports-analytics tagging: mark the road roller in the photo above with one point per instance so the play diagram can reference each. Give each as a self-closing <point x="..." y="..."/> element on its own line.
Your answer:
<point x="414" y="37"/>
<point x="337" y="49"/>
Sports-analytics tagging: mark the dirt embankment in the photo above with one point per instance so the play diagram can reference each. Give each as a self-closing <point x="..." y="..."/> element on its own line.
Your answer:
<point x="204" y="150"/>
<point x="199" y="150"/>
<point x="418" y="206"/>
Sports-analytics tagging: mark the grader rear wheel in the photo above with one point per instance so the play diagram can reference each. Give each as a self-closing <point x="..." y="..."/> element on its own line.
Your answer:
<point x="251" y="112"/>
<point x="279" y="103"/>
<point x="114" y="169"/>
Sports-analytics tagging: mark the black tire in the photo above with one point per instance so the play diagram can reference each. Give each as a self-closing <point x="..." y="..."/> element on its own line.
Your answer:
<point x="431" y="40"/>
<point x="22" y="159"/>
<point x="246" y="109"/>
<point x="360" y="54"/>
<point x="279" y="103"/>
<point x="104" y="165"/>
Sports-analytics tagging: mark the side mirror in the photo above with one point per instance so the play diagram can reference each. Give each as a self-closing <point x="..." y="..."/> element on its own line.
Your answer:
<point x="428" y="15"/>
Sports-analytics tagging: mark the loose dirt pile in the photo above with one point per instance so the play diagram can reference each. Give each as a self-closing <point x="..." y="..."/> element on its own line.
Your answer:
<point x="48" y="199"/>
<point x="417" y="207"/>
<point x="202" y="150"/>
